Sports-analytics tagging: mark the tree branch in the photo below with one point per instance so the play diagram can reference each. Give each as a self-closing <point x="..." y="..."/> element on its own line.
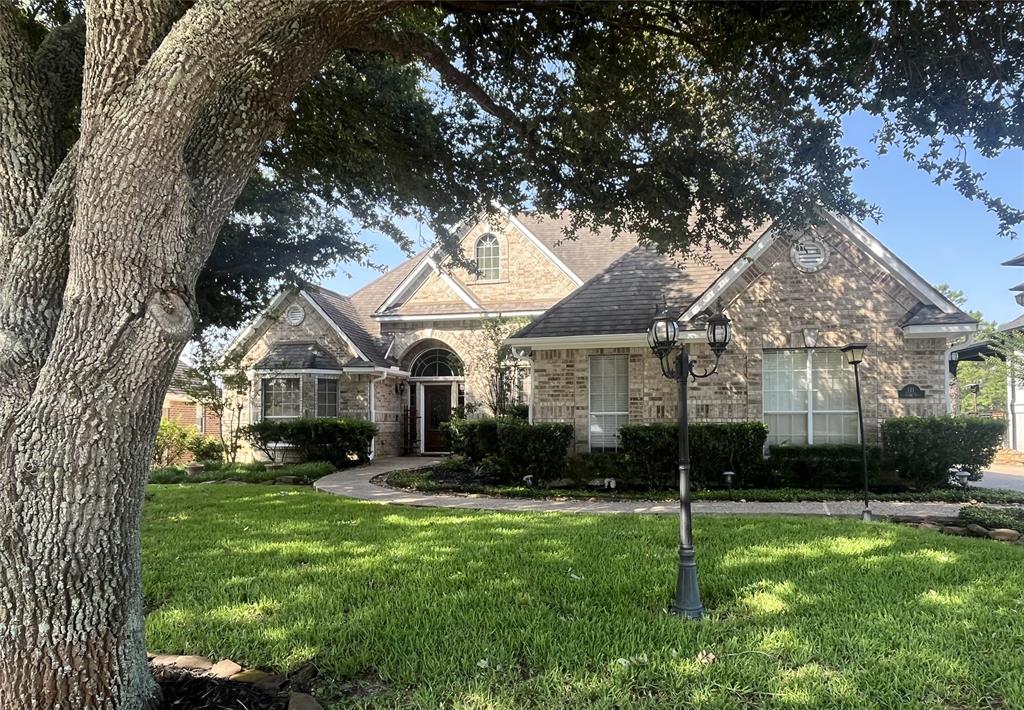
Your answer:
<point x="58" y="64"/>
<point x="404" y="45"/>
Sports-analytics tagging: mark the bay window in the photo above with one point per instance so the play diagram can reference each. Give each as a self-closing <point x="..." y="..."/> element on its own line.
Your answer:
<point x="281" y="397"/>
<point x="609" y="400"/>
<point x="809" y="397"/>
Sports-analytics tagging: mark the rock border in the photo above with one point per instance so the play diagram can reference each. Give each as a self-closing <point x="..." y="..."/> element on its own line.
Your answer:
<point x="227" y="670"/>
<point x="951" y="526"/>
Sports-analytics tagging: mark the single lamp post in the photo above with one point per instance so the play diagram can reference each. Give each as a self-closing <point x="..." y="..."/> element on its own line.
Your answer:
<point x="662" y="336"/>
<point x="855" y="356"/>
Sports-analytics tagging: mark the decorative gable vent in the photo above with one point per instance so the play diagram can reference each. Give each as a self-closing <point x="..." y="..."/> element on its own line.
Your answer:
<point x="809" y="254"/>
<point x="294" y="315"/>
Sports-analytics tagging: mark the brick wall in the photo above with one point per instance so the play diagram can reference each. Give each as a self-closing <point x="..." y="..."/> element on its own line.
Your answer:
<point x="851" y="299"/>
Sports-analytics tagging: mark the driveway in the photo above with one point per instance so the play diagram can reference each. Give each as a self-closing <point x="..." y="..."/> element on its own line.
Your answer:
<point x="1009" y="477"/>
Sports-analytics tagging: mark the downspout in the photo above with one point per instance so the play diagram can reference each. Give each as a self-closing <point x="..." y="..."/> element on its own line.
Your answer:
<point x="373" y="412"/>
<point x="949" y="401"/>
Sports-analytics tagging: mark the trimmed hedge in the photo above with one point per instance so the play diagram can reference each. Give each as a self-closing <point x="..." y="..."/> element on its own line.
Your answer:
<point x="511" y="447"/>
<point x="825" y="465"/>
<point x="651" y="454"/>
<point x="248" y="473"/>
<point x="476" y="439"/>
<point x="343" y="442"/>
<point x="923" y="450"/>
<point x="537" y="450"/>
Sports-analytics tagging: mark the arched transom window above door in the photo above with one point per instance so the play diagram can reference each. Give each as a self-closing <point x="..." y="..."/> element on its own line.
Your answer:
<point x="437" y="362"/>
<point x="488" y="258"/>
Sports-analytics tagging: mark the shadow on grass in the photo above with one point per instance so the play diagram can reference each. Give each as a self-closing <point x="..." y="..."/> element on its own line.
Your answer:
<point x="515" y="610"/>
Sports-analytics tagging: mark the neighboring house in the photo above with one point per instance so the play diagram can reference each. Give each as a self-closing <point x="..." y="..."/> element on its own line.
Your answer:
<point x="1014" y="378"/>
<point x="402" y="351"/>
<point x="182" y="409"/>
<point x="408" y="348"/>
<point x="794" y="300"/>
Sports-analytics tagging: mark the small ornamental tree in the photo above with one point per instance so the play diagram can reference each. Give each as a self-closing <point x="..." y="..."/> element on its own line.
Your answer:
<point x="503" y="366"/>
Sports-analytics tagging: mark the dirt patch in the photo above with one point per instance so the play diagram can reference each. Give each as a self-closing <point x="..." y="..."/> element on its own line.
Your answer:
<point x="182" y="690"/>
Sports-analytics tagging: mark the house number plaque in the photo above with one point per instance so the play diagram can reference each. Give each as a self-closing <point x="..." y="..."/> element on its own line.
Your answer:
<point x="911" y="392"/>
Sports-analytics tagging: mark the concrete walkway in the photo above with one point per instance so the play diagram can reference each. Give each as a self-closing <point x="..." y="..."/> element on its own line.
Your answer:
<point x="355" y="483"/>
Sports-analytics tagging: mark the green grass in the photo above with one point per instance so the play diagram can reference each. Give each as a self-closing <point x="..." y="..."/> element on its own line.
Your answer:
<point x="421" y="480"/>
<point x="426" y="608"/>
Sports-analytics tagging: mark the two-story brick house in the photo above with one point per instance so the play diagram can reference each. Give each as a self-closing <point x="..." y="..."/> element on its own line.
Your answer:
<point x="401" y="350"/>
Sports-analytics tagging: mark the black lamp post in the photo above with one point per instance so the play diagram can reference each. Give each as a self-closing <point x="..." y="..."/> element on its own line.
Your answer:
<point x="662" y="336"/>
<point x="855" y="356"/>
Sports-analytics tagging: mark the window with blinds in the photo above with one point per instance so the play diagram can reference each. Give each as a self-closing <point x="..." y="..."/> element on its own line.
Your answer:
<point x="327" y="396"/>
<point x="809" y="397"/>
<point x="609" y="400"/>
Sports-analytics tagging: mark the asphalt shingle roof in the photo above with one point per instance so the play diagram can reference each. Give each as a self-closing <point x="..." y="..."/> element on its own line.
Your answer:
<point x="588" y="253"/>
<point x="623" y="298"/>
<point x="346" y="316"/>
<point x="298" y="356"/>
<point x="927" y="314"/>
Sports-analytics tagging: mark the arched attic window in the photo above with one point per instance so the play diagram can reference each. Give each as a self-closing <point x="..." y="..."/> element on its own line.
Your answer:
<point x="437" y="362"/>
<point x="488" y="258"/>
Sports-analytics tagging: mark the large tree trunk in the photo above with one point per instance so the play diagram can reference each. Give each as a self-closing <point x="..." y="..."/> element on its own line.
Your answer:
<point x="174" y="115"/>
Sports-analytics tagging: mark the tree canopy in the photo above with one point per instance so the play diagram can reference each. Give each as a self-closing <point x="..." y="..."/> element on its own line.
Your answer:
<point x="681" y="122"/>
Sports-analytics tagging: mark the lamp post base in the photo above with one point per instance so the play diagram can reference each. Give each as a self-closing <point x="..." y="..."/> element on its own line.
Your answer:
<point x="866" y="515"/>
<point x="687" y="601"/>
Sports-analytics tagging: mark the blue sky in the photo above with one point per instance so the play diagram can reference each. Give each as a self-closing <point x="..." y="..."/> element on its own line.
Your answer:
<point x="939" y="233"/>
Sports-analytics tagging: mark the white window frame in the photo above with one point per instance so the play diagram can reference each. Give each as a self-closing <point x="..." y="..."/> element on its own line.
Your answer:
<point x="263" y="399"/>
<point x="492" y="243"/>
<point x="590" y="412"/>
<point x="811" y="411"/>
<point x="337" y="397"/>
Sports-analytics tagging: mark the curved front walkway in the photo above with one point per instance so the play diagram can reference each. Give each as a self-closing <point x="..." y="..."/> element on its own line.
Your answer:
<point x="355" y="483"/>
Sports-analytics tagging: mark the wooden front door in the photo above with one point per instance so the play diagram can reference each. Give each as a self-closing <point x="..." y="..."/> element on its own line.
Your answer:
<point x="437" y="409"/>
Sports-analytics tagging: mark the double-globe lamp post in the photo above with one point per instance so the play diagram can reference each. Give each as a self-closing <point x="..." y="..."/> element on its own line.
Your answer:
<point x="855" y="356"/>
<point x="663" y="336"/>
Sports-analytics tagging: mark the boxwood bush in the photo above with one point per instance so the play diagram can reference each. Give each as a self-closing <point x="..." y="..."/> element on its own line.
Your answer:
<point x="511" y="446"/>
<point x="342" y="442"/>
<point x="651" y="454"/>
<point x="826" y="466"/>
<point x="923" y="450"/>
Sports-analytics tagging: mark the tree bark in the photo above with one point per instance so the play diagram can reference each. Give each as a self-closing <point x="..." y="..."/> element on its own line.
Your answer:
<point x="174" y="115"/>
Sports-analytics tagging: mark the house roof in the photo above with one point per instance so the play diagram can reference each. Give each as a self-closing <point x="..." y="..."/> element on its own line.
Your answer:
<point x="1016" y="324"/>
<point x="180" y="374"/>
<point x="1015" y="261"/>
<point x="623" y="298"/>
<point x="927" y="314"/>
<point x="298" y="356"/>
<point x="347" y="317"/>
<point x="588" y="253"/>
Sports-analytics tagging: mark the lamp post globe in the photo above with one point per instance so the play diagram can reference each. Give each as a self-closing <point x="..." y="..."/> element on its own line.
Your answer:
<point x="719" y="333"/>
<point x="663" y="333"/>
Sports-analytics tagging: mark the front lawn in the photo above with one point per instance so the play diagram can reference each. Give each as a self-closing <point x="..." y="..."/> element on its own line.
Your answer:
<point x="404" y="607"/>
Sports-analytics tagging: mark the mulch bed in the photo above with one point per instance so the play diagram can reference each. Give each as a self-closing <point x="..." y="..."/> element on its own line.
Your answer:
<point x="184" y="691"/>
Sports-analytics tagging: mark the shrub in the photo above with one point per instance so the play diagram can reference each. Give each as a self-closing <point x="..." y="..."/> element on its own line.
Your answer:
<point x="476" y="439"/>
<point x="343" y="442"/>
<point x="583" y="468"/>
<point x="923" y="450"/>
<point x="205" y="448"/>
<point x="172" y="441"/>
<point x="993" y="518"/>
<point x="266" y="435"/>
<point x="537" y="450"/>
<point x="651" y="453"/>
<point x="825" y="465"/>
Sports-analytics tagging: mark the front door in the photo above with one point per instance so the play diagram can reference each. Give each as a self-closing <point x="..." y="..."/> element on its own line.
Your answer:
<point x="437" y="409"/>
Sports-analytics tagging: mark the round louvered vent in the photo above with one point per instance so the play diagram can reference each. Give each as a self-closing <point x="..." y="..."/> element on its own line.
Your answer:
<point x="294" y="315"/>
<point x="809" y="254"/>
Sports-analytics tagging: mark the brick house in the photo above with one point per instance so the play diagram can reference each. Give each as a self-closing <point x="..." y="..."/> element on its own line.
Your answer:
<point x="408" y="348"/>
<point x="181" y="409"/>
<point x="402" y="351"/>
